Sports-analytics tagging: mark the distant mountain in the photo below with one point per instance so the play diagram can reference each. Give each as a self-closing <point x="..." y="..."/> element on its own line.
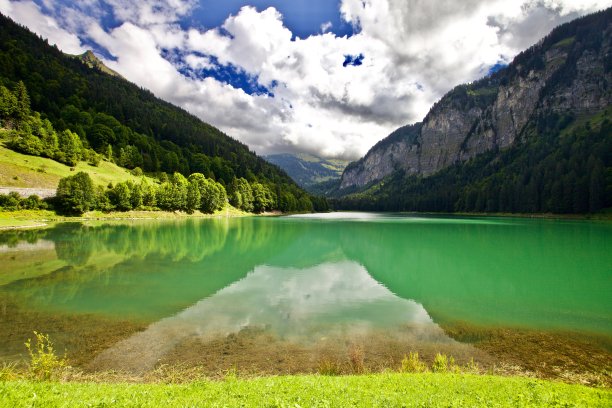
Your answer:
<point x="308" y="170"/>
<point x="535" y="136"/>
<point x="90" y="59"/>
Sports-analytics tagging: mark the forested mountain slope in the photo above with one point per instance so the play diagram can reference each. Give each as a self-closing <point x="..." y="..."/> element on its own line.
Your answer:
<point x="535" y="136"/>
<point x="117" y="119"/>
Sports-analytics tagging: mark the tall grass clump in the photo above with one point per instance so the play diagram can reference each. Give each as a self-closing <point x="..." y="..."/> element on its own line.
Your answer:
<point x="412" y="364"/>
<point x="472" y="367"/>
<point x="8" y="372"/>
<point x="329" y="367"/>
<point x="440" y="363"/>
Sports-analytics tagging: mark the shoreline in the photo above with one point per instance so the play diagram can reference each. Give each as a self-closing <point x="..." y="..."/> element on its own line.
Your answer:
<point x="606" y="216"/>
<point x="39" y="219"/>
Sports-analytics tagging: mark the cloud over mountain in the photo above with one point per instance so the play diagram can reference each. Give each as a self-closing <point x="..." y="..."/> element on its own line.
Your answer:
<point x="254" y="79"/>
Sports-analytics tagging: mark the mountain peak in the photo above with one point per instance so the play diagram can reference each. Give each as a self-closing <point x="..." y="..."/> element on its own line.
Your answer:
<point x="92" y="61"/>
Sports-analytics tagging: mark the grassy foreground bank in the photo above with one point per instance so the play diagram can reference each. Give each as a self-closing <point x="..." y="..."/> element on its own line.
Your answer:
<point x="384" y="390"/>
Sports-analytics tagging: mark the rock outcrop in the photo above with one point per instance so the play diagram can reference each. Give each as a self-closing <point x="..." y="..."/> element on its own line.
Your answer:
<point x="568" y="72"/>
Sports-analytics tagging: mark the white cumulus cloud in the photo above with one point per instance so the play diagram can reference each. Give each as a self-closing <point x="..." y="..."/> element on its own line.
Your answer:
<point x="29" y="14"/>
<point x="411" y="53"/>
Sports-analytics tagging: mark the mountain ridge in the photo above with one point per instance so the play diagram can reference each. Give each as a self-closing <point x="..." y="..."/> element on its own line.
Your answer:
<point x="483" y="142"/>
<point x="490" y="113"/>
<point x="128" y="124"/>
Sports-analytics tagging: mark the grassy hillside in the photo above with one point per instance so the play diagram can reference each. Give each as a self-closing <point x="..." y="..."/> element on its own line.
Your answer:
<point x="384" y="390"/>
<point x="20" y="170"/>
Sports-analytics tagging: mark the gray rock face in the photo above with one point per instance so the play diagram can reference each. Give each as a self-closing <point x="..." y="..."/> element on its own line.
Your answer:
<point x="395" y="152"/>
<point x="493" y="113"/>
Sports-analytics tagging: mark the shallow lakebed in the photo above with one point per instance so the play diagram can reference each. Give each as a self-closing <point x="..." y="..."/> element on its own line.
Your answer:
<point x="294" y="294"/>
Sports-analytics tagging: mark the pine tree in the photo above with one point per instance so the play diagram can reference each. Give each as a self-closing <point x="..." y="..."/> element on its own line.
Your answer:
<point x="22" y="110"/>
<point x="8" y="104"/>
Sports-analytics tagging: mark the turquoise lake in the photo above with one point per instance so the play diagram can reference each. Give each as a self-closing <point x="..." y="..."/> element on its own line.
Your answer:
<point x="281" y="294"/>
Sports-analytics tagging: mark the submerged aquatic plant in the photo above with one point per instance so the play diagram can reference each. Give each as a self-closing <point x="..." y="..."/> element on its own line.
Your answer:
<point x="356" y="359"/>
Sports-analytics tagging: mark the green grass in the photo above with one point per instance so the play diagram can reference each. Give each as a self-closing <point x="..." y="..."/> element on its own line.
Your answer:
<point x="594" y="120"/>
<point x="26" y="218"/>
<point x="566" y="42"/>
<point x="40" y="218"/>
<point x="20" y="170"/>
<point x="383" y="390"/>
<point x="491" y="91"/>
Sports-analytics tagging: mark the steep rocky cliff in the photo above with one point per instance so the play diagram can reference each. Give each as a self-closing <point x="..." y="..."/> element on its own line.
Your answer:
<point x="566" y="73"/>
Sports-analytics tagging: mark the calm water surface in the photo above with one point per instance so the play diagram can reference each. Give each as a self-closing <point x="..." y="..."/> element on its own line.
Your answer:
<point x="134" y="295"/>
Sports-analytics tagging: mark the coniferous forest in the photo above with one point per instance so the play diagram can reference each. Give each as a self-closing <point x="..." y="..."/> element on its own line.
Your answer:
<point x="561" y="170"/>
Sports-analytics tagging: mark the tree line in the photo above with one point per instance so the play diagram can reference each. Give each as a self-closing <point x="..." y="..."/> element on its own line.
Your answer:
<point x="77" y="194"/>
<point x="32" y="135"/>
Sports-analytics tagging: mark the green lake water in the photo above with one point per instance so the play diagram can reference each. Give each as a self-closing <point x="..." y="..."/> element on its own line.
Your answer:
<point x="303" y="279"/>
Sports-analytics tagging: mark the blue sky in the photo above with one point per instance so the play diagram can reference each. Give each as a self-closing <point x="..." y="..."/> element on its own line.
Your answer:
<point x="302" y="17"/>
<point x="326" y="77"/>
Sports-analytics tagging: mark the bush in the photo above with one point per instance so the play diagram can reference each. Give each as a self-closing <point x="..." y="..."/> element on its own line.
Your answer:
<point x="10" y="201"/>
<point x="33" y="202"/>
<point x="120" y="197"/>
<point x="92" y="157"/>
<point x="76" y="194"/>
<point x="27" y="143"/>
